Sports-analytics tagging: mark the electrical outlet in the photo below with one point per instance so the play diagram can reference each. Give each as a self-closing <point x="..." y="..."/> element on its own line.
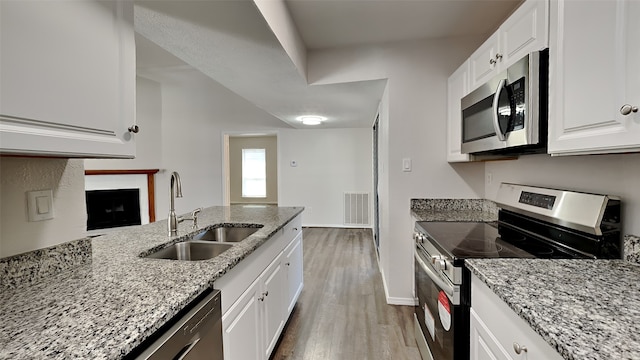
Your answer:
<point x="489" y="178"/>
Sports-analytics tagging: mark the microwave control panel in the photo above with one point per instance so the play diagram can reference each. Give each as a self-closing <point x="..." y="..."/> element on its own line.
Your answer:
<point x="518" y="94"/>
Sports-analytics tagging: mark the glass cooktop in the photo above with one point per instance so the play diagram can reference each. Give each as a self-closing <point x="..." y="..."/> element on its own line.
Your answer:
<point x="468" y="240"/>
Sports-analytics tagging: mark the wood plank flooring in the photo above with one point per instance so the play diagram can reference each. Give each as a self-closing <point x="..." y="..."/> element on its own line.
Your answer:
<point x="342" y="312"/>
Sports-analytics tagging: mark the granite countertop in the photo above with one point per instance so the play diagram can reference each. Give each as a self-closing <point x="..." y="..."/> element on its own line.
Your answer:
<point x="104" y="309"/>
<point x="585" y="309"/>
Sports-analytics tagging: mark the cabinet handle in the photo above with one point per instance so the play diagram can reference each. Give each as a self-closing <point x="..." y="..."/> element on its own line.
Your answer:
<point x="491" y="61"/>
<point x="266" y="293"/>
<point x="627" y="109"/>
<point x="498" y="57"/>
<point x="295" y="229"/>
<point x="134" y="129"/>
<point x="519" y="348"/>
<point x="261" y="298"/>
<point x="287" y="264"/>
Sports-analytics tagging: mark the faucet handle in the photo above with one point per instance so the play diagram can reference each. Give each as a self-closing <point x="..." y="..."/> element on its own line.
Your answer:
<point x="194" y="216"/>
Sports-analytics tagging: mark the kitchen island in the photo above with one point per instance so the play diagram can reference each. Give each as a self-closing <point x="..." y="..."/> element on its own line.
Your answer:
<point x="584" y="309"/>
<point x="105" y="309"/>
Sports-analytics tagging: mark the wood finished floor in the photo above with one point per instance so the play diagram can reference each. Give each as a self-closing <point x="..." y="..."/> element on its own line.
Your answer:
<point x="342" y="312"/>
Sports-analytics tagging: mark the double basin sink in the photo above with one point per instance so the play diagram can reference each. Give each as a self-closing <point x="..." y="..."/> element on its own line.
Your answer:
<point x="205" y="245"/>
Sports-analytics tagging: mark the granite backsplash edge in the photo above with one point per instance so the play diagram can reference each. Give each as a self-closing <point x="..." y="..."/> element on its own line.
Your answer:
<point x="632" y="249"/>
<point x="483" y="205"/>
<point x="31" y="267"/>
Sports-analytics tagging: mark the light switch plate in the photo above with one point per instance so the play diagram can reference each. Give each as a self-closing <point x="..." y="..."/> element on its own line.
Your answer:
<point x="40" y="205"/>
<point x="406" y="164"/>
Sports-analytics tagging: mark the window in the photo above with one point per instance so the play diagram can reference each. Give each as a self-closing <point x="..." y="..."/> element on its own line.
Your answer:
<point x="254" y="173"/>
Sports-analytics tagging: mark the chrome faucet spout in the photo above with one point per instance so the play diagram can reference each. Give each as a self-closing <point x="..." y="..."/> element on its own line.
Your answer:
<point x="172" y="221"/>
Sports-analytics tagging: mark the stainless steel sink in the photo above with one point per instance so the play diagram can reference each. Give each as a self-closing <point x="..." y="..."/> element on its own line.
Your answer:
<point x="191" y="251"/>
<point x="226" y="234"/>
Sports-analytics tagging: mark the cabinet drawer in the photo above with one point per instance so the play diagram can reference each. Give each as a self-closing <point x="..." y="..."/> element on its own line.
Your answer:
<point x="292" y="229"/>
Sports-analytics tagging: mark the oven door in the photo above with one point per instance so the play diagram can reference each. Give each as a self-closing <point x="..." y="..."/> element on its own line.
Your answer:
<point x="440" y="315"/>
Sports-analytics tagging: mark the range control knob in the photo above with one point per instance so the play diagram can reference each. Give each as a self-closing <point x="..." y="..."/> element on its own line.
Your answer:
<point x="438" y="262"/>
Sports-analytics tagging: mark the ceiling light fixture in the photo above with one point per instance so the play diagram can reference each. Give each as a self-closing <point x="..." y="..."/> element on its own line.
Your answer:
<point x="311" y="119"/>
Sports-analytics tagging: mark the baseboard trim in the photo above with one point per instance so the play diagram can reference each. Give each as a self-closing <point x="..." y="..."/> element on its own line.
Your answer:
<point x="341" y="226"/>
<point x="394" y="300"/>
<point x="401" y="301"/>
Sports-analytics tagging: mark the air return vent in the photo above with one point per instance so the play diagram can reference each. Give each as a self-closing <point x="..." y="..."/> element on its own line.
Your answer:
<point x="356" y="208"/>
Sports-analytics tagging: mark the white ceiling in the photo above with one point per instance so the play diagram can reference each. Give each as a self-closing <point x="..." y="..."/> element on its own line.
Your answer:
<point x="338" y="23"/>
<point x="230" y="42"/>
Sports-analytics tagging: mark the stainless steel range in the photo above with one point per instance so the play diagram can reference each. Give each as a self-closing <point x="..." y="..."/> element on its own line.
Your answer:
<point x="533" y="222"/>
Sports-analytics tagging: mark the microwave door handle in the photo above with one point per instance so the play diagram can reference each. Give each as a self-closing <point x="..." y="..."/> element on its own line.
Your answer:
<point x="496" y="103"/>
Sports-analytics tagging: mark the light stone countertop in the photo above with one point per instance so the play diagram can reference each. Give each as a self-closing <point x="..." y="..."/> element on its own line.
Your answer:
<point x="104" y="309"/>
<point x="585" y="309"/>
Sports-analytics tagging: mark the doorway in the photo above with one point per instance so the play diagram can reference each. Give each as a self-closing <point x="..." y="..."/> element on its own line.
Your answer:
<point x="252" y="169"/>
<point x="376" y="205"/>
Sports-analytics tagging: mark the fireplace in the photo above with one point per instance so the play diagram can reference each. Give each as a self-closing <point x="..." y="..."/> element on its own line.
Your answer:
<point x="113" y="208"/>
<point x="118" y="198"/>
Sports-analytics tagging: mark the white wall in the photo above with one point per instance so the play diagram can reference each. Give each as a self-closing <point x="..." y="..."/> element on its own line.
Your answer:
<point x="414" y="127"/>
<point x="196" y="112"/>
<point x="330" y="162"/>
<point x="604" y="174"/>
<point x="19" y="175"/>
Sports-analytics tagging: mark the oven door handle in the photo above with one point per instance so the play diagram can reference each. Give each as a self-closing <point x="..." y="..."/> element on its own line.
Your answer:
<point x="449" y="289"/>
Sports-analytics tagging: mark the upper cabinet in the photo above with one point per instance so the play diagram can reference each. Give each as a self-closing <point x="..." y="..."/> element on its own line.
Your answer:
<point x="594" y="77"/>
<point x="457" y="88"/>
<point x="68" y="78"/>
<point x="525" y="31"/>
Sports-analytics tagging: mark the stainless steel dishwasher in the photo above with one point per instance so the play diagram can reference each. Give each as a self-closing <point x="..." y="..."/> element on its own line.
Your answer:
<point x="196" y="335"/>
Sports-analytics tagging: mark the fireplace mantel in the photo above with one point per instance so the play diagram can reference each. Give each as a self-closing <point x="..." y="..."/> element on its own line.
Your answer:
<point x="150" y="184"/>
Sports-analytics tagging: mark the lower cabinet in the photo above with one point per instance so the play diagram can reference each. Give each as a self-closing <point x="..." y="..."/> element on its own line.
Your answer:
<point x="251" y="327"/>
<point x="497" y="333"/>
<point x="241" y="326"/>
<point x="294" y="271"/>
<point x="272" y="304"/>
<point x="255" y="314"/>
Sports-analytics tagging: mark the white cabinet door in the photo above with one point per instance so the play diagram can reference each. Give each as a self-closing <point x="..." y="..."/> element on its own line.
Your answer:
<point x="482" y="63"/>
<point x="526" y="30"/>
<point x="242" y="328"/>
<point x="496" y="329"/>
<point x="484" y="345"/>
<point x="273" y="298"/>
<point x="68" y="78"/>
<point x="594" y="72"/>
<point x="293" y="262"/>
<point x="457" y="87"/>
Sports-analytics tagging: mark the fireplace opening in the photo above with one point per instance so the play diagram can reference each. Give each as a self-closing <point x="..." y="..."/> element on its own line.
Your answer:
<point x="112" y="208"/>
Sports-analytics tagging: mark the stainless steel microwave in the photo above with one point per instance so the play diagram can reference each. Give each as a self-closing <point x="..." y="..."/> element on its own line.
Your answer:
<point x="508" y="114"/>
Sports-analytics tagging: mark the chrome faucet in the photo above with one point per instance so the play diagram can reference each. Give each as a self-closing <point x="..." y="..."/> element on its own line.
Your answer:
<point x="172" y="221"/>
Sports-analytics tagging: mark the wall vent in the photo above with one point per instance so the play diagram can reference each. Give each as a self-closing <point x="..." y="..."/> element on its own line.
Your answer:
<point x="356" y="208"/>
